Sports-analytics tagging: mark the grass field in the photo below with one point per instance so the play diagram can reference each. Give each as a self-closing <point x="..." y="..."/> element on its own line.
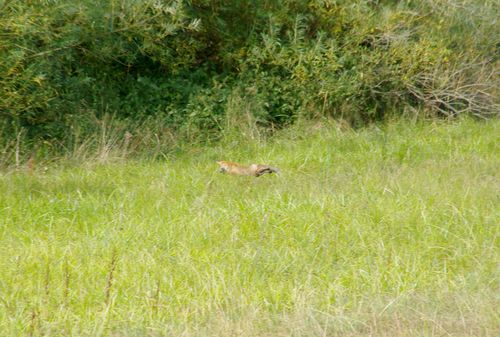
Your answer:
<point x="386" y="231"/>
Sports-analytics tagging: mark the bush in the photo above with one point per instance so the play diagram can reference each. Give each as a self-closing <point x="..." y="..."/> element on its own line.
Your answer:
<point x="181" y="61"/>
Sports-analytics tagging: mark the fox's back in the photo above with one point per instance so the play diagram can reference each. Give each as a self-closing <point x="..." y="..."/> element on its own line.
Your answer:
<point x="233" y="168"/>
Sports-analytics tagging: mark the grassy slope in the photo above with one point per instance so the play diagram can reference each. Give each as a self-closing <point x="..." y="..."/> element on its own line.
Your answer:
<point x="386" y="231"/>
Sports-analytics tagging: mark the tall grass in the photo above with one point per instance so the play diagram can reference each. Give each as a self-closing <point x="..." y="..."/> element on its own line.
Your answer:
<point x="387" y="231"/>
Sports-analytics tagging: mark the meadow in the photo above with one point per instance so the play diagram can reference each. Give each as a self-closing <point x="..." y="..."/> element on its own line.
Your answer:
<point x="388" y="230"/>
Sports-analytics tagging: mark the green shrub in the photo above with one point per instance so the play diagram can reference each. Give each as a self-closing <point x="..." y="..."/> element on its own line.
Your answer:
<point x="180" y="61"/>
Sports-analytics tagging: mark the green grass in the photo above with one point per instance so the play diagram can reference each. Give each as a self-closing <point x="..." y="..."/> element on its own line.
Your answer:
<point x="386" y="231"/>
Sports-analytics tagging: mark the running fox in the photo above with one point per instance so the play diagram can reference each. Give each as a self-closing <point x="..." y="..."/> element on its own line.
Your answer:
<point x="255" y="170"/>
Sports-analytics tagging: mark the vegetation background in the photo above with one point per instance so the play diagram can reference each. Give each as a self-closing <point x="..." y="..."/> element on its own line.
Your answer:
<point x="381" y="115"/>
<point x="164" y="71"/>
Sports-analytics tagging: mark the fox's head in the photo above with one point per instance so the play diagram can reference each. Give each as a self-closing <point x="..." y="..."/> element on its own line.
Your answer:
<point x="223" y="167"/>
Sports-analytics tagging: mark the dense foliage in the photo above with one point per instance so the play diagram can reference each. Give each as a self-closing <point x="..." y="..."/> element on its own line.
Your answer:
<point x="201" y="66"/>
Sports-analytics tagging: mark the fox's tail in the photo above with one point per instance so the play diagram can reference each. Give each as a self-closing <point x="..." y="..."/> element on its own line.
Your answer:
<point x="263" y="169"/>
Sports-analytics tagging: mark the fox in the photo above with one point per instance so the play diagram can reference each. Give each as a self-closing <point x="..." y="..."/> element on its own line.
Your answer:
<point x="255" y="170"/>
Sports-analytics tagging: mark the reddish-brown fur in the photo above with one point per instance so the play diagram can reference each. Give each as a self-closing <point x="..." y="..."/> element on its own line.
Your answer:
<point x="255" y="170"/>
